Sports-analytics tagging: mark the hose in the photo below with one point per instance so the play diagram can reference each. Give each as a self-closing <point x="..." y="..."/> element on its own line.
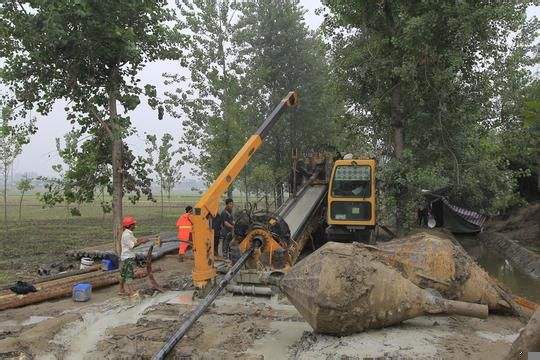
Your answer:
<point x="207" y="301"/>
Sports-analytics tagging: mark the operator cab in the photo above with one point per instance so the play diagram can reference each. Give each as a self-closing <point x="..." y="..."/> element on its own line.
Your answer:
<point x="351" y="200"/>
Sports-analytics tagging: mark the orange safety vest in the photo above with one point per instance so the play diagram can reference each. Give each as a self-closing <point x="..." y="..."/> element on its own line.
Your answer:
<point x="185" y="226"/>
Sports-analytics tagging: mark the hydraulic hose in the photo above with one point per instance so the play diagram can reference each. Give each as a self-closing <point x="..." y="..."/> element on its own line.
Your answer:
<point x="207" y="301"/>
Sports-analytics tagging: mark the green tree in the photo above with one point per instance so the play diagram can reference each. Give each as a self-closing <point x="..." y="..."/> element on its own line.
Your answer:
<point x="86" y="172"/>
<point x="165" y="162"/>
<point x="211" y="101"/>
<point x="90" y="53"/>
<point x="531" y="117"/>
<point x="239" y="72"/>
<point x="24" y="185"/>
<point x="13" y="136"/>
<point x="417" y="77"/>
<point x="59" y="189"/>
<point x="280" y="54"/>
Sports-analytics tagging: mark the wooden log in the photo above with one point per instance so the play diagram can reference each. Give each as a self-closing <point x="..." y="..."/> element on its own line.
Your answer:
<point x="68" y="281"/>
<point x="528" y="339"/>
<point x="63" y="290"/>
<point x="57" y="276"/>
<point x="54" y="293"/>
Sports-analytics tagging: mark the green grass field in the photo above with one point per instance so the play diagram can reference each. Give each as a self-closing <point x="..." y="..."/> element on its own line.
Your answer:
<point x="43" y="236"/>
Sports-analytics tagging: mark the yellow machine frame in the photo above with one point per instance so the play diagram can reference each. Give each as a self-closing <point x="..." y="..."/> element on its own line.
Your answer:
<point x="207" y="207"/>
<point x="372" y="199"/>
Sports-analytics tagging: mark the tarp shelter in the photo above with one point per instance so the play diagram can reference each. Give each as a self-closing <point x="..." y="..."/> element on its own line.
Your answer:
<point x="454" y="218"/>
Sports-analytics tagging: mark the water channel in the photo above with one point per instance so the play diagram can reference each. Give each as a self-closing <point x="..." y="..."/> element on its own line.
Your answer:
<point x="502" y="269"/>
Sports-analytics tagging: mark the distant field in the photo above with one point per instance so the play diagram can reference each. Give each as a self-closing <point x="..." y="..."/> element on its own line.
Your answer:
<point x="43" y="235"/>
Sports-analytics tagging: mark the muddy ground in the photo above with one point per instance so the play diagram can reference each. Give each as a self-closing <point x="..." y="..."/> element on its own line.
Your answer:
<point x="236" y="327"/>
<point x="521" y="225"/>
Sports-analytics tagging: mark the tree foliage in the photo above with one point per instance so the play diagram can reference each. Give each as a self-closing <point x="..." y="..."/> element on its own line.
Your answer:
<point x="244" y="57"/>
<point x="165" y="162"/>
<point x="279" y="54"/>
<point x="14" y="134"/>
<point x="24" y="185"/>
<point x="90" y="53"/>
<point x="209" y="107"/>
<point x="424" y="80"/>
<point x="87" y="168"/>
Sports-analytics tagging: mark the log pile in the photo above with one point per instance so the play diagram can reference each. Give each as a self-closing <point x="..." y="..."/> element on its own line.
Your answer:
<point x="62" y="287"/>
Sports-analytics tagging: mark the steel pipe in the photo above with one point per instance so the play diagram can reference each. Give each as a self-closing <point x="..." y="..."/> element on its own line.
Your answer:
<point x="206" y="302"/>
<point x="249" y="290"/>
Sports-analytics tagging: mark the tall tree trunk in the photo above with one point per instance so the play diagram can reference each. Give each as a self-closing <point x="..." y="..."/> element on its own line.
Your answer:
<point x="102" y="204"/>
<point x="117" y="173"/>
<point x="223" y="103"/>
<point x="20" y="206"/>
<point x="5" y="198"/>
<point x="397" y="124"/>
<point x="161" y="194"/>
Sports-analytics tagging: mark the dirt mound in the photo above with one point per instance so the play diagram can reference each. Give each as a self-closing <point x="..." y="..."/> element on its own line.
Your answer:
<point x="434" y="259"/>
<point x="522" y="226"/>
<point x="343" y="288"/>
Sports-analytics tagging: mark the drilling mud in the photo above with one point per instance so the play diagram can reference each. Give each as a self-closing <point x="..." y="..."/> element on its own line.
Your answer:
<point x="235" y="327"/>
<point x="436" y="260"/>
<point x="343" y="288"/>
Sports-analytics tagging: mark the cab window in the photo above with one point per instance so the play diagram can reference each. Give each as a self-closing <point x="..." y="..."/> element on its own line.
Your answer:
<point x="352" y="181"/>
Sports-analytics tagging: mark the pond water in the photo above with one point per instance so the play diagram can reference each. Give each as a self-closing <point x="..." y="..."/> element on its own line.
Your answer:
<point x="502" y="269"/>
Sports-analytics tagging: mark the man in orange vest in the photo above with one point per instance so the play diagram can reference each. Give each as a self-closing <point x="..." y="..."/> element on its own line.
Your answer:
<point x="185" y="227"/>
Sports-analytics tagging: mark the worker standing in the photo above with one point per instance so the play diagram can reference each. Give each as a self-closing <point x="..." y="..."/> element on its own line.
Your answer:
<point x="128" y="242"/>
<point x="185" y="229"/>
<point x="227" y="227"/>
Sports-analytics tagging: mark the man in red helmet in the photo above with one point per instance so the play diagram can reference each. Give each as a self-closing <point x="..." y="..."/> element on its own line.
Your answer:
<point x="129" y="241"/>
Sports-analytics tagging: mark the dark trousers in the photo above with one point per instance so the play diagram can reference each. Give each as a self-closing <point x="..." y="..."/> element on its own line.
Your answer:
<point x="225" y="243"/>
<point x="216" y="242"/>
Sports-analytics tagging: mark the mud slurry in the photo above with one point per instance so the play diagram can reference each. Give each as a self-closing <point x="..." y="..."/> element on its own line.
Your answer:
<point x="249" y="328"/>
<point x="235" y="327"/>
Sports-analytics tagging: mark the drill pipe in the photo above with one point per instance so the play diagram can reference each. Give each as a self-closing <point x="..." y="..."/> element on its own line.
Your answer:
<point x="249" y="290"/>
<point x="207" y="301"/>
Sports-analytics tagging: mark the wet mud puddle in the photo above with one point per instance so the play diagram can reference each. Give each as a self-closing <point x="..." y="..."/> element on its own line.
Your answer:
<point x="81" y="337"/>
<point x="502" y="269"/>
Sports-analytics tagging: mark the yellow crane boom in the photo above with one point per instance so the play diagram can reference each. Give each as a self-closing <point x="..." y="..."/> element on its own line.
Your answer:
<point x="208" y="205"/>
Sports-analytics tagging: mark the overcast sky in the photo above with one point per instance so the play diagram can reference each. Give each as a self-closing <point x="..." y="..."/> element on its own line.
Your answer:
<point x="40" y="154"/>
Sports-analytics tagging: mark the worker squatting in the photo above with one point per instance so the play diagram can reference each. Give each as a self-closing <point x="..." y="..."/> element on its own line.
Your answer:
<point x="223" y="226"/>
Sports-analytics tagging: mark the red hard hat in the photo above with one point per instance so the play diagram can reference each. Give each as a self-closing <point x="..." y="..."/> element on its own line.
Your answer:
<point x="128" y="220"/>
